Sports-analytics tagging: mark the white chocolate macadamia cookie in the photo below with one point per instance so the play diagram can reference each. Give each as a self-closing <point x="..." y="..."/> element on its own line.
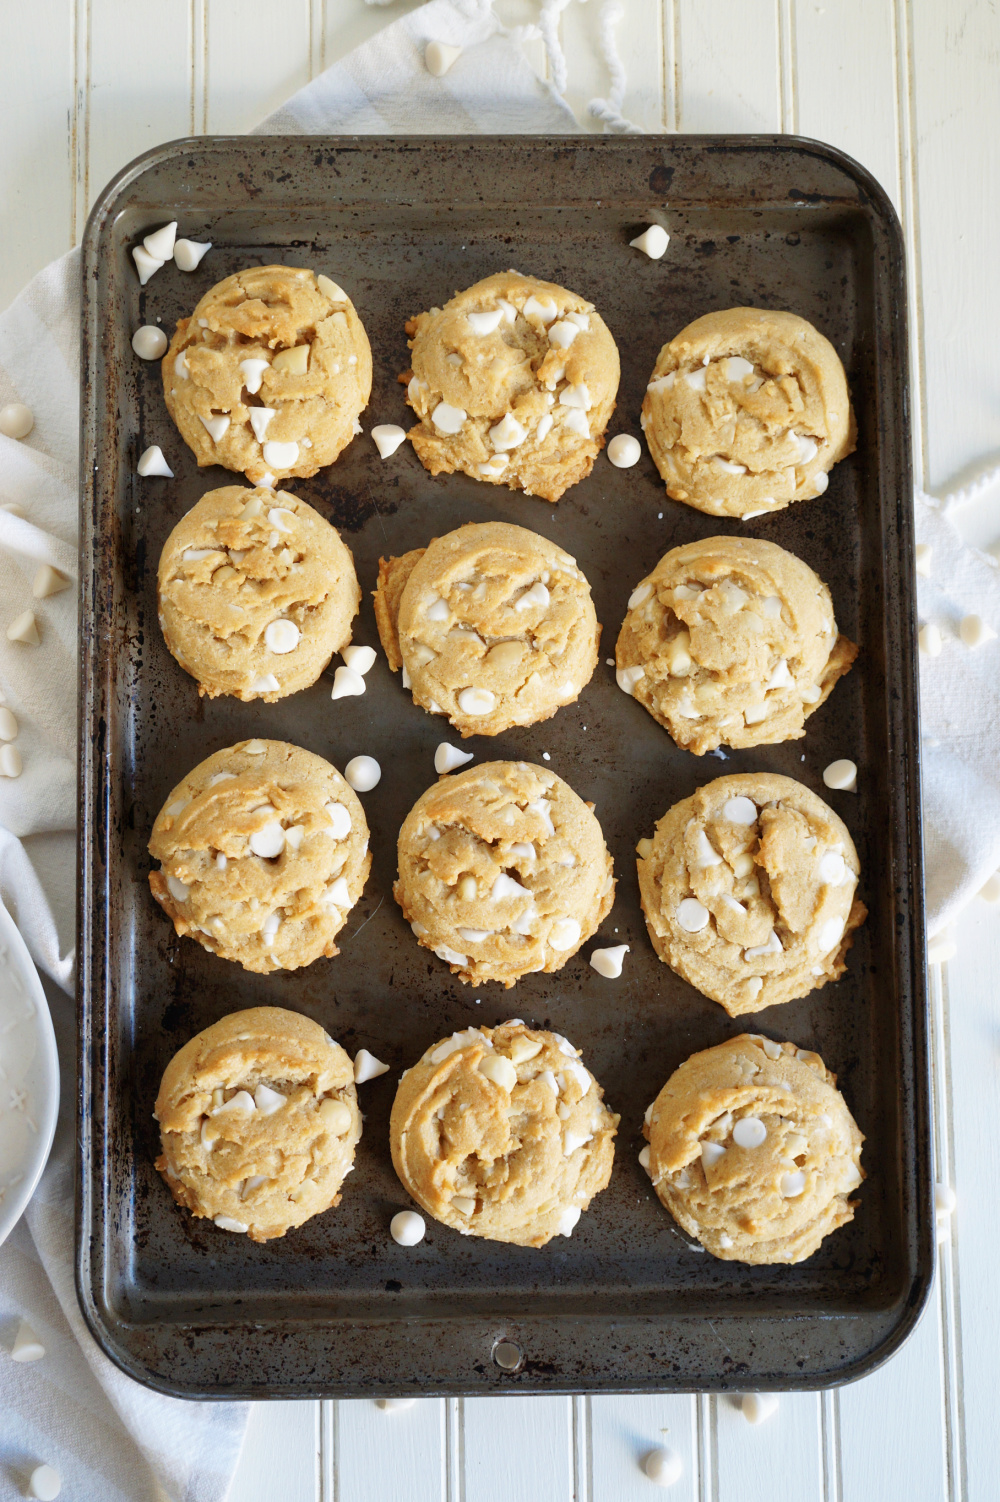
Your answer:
<point x="748" y="890"/>
<point x="493" y="625"/>
<point x="258" y="1122"/>
<point x="747" y="411"/>
<point x="269" y="373"/>
<point x="502" y="1132"/>
<point x="503" y="871"/>
<point x="731" y="641"/>
<point x="263" y="851"/>
<point x="513" y="382"/>
<point x="256" y="593"/>
<point x="753" y="1151"/>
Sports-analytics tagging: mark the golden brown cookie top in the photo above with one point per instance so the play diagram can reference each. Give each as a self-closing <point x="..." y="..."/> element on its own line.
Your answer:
<point x="258" y="1121"/>
<point x="502" y="1132"/>
<point x="503" y="871"/>
<point x="752" y="1150"/>
<point x="256" y="593"/>
<point x="748" y="888"/>
<point x="746" y="411"/>
<point x="269" y="374"/>
<point x="514" y="381"/>
<point x="264" y="851"/>
<point x="731" y="641"/>
<point x="494" y="626"/>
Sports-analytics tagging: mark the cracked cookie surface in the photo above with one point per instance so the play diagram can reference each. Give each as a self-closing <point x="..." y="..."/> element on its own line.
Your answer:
<point x="269" y="374"/>
<point x="494" y="626"/>
<point x="747" y="411"/>
<point x="263" y="850"/>
<point x="256" y="592"/>
<point x="503" y="1133"/>
<point x="748" y="889"/>
<point x="731" y="641"/>
<point x="513" y="382"/>
<point x="258" y="1122"/>
<point x="753" y="1150"/>
<point x="503" y="871"/>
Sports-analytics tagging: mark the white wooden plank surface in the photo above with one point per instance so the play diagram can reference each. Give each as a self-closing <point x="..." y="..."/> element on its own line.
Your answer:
<point x="912" y="89"/>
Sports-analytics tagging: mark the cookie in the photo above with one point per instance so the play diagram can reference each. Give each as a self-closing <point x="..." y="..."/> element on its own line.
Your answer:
<point x="493" y="625"/>
<point x="258" y="1122"/>
<point x="503" y="1133"/>
<point x="731" y="641"/>
<point x="256" y="593"/>
<point x="263" y="851"/>
<point x="748" y="888"/>
<point x="753" y="1151"/>
<point x="747" y="411"/>
<point x="503" y="871"/>
<point x="513" y="383"/>
<point x="269" y="374"/>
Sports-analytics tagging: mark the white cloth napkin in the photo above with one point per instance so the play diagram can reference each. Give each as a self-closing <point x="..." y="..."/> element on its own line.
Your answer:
<point x="109" y="1437"/>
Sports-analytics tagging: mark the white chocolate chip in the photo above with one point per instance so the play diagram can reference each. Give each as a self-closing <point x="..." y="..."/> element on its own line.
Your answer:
<point x="989" y="891"/>
<point x="772" y="945"/>
<point x="152" y="462"/>
<point x="363" y="773"/>
<point x="711" y="1152"/>
<point x="463" y="1204"/>
<point x="267" y="1100"/>
<point x="24" y="628"/>
<point x="757" y="1407"/>
<point x="227" y="1223"/>
<point x="145" y="264"/>
<point x="16" y="420"/>
<point x="727" y="466"/>
<point x="639" y="595"/>
<point x="664" y="382"/>
<point x="149" y="342"/>
<point x="832" y="868"/>
<point x="830" y="934"/>
<point x="448" y="419"/>
<point x="293" y="361"/>
<point x="359" y="659"/>
<point x="572" y="1140"/>
<point x="742" y="864"/>
<point x="253" y="374"/>
<point x="564" y="933"/>
<point x="500" y="1070"/>
<point x="738" y="369"/>
<point x="576" y="396"/>
<point x="280" y="455"/>
<point x="945" y="1200"/>
<point x="282" y="518"/>
<point x="8" y="724"/>
<point x="624" y="450"/>
<point x="477" y="701"/>
<point x="841" y="775"/>
<point x="49" y="581"/>
<point x="576" y="420"/>
<point x="740" y="811"/>
<point x="281" y="636"/>
<point x="627" y="678"/>
<point x="508" y="433"/>
<point x="269" y="841"/>
<point x="691" y="916"/>
<point x="505" y="886"/>
<point x="485" y="323"/>
<point x="663" y="1466"/>
<point x="940" y="948"/>
<point x="652" y="242"/>
<point x="705" y="853"/>
<point x="340" y="820"/>
<point x="608" y="962"/>
<point x="217" y="427"/>
<point x="387" y="437"/>
<point x="367" y="1067"/>
<point x="474" y="935"/>
<point x="346" y="682"/>
<point x="406" y="1229"/>
<point x="260" y="418"/>
<point x="447" y="758"/>
<point x="160" y="243"/>
<point x="541" y="310"/>
<point x="189" y="254"/>
<point x="439" y="57"/>
<point x="754" y="713"/>
<point x="695" y="379"/>
<point x="780" y="677"/>
<point x="568" y="1220"/>
<point x="45" y="1482"/>
<point x="294" y="836"/>
<point x="749" y="1131"/>
<point x="929" y="639"/>
<point x="330" y="288"/>
<point x="537" y="595"/>
<point x="792" y="1184"/>
<point x="27" y="1346"/>
<point x="562" y="333"/>
<point x="975" y="632"/>
<point x="923" y="559"/>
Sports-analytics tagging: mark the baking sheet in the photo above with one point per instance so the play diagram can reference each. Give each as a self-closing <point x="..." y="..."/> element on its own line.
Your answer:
<point x="336" y="1308"/>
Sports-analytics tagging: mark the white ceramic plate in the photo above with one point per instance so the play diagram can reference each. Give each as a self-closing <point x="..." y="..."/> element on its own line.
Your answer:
<point x="29" y="1076"/>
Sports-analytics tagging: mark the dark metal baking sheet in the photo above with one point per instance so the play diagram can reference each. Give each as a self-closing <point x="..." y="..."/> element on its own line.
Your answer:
<point x="336" y="1308"/>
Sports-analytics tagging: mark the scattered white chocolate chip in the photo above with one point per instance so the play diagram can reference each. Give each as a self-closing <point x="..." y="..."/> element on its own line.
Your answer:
<point x="346" y="682"/>
<point x="448" y="419"/>
<point x="394" y="1405"/>
<point x="280" y="455"/>
<point x="624" y="451"/>
<point x="740" y="811"/>
<point x="485" y="323"/>
<point x="367" y="1067"/>
<point x="188" y="254"/>
<point x="363" y="773"/>
<point x="663" y="1466"/>
<point x="149" y="342"/>
<point x="13" y="509"/>
<point x="691" y="916"/>
<point x="152" y="462"/>
<point x="439" y="57"/>
<point x="281" y="636"/>
<point x="16" y="420"/>
<point x="8" y="724"/>
<point x="24" y="629"/>
<point x="477" y="701"/>
<point x="842" y="776"/>
<point x="975" y="632"/>
<point x="406" y="1229"/>
<point x="923" y="559"/>
<point x="27" y="1346"/>
<point x="945" y="1201"/>
<point x="227" y="1223"/>
<point x="749" y="1131"/>
<point x="989" y="891"/>
<point x="447" y="758"/>
<point x="756" y="1407"/>
<point x="44" y="1483"/>
<point x="145" y="264"/>
<point x="49" y="581"/>
<point x="940" y="948"/>
<point x="359" y="659"/>
<point x="217" y="426"/>
<point x="929" y="639"/>
<point x="652" y="242"/>
<point x="160" y="242"/>
<point x="608" y="962"/>
<point x="500" y="1070"/>
<point x="387" y="437"/>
